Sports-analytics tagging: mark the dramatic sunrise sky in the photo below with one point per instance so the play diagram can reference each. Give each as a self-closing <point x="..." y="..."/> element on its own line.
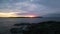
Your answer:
<point x="13" y="8"/>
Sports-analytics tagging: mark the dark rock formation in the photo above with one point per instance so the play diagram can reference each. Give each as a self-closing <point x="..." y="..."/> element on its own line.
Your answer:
<point x="47" y="27"/>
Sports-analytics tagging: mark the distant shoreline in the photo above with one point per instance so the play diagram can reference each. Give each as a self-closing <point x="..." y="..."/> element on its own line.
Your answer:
<point x="21" y="17"/>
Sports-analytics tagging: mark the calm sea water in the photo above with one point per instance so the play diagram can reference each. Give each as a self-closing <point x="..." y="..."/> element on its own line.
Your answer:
<point x="7" y="23"/>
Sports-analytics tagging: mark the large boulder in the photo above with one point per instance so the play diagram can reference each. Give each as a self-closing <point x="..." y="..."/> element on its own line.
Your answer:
<point x="24" y="27"/>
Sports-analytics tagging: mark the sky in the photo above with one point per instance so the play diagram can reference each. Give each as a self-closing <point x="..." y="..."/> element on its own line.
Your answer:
<point x="13" y="8"/>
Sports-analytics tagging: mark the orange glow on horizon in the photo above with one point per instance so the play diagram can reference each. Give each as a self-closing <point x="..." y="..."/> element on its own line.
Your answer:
<point x="12" y="14"/>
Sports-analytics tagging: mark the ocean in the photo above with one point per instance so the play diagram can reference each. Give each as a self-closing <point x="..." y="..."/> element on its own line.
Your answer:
<point x="7" y="23"/>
